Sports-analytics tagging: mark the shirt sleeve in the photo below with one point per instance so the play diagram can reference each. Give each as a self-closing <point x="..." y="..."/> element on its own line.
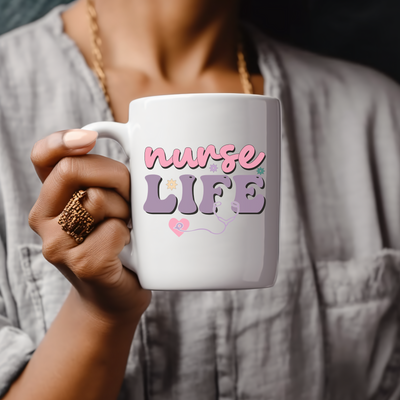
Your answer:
<point x="16" y="347"/>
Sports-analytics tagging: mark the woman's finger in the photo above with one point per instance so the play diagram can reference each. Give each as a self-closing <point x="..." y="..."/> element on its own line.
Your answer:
<point x="81" y="172"/>
<point x="105" y="203"/>
<point x="90" y="259"/>
<point x="48" y="151"/>
<point x="105" y="242"/>
<point x="100" y="203"/>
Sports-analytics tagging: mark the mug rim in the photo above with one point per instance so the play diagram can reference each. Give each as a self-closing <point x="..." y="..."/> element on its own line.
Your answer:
<point x="204" y="95"/>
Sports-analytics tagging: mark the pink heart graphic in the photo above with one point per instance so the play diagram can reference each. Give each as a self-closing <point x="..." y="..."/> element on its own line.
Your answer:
<point x="172" y="224"/>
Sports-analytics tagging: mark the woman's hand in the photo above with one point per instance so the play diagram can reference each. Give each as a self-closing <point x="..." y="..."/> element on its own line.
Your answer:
<point x="84" y="353"/>
<point x="106" y="289"/>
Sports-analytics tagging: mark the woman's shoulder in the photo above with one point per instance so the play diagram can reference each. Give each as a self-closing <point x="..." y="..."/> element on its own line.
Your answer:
<point x="32" y="42"/>
<point x="45" y="83"/>
<point x="341" y="83"/>
<point x="342" y="100"/>
<point x="32" y="54"/>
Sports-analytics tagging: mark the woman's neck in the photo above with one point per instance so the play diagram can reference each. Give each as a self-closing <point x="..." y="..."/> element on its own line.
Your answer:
<point x="154" y="47"/>
<point x="172" y="40"/>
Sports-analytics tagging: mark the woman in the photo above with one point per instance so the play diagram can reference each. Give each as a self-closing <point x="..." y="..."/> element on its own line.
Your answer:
<point x="329" y="327"/>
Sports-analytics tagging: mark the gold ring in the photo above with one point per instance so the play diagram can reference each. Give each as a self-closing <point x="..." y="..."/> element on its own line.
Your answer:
<point x="75" y="220"/>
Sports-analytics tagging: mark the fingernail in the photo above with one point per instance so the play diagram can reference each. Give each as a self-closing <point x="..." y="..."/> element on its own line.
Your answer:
<point x="78" y="138"/>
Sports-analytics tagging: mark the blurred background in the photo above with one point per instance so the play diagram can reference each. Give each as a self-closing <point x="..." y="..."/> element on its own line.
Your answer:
<point x="363" y="31"/>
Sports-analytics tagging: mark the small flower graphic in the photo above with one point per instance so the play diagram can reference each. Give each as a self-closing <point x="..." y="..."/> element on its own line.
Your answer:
<point x="260" y="171"/>
<point x="213" y="168"/>
<point x="171" y="184"/>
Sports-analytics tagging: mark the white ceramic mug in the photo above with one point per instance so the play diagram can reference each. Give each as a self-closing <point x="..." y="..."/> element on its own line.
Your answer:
<point x="205" y="190"/>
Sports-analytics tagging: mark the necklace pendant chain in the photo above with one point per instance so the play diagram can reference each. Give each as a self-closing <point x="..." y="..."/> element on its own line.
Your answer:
<point x="98" y="64"/>
<point x="97" y="56"/>
<point x="242" y="68"/>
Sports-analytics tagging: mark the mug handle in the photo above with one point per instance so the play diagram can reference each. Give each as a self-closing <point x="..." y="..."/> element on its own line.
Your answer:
<point x="119" y="133"/>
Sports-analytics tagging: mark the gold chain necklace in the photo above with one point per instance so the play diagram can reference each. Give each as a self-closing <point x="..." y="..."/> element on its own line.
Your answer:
<point x="98" y="64"/>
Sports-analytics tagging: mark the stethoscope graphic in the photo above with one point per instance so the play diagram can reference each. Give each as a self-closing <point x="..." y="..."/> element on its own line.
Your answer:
<point x="226" y="222"/>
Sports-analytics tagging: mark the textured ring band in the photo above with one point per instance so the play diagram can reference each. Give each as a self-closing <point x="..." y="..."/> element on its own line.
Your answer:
<point x="75" y="220"/>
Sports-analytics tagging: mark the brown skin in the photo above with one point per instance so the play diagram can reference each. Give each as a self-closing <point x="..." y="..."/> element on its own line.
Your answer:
<point x="151" y="47"/>
<point x="161" y="47"/>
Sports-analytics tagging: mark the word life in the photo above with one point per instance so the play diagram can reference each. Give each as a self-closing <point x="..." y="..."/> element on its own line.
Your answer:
<point x="250" y="202"/>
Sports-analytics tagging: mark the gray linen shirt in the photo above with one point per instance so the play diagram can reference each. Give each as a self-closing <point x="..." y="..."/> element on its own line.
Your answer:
<point x="329" y="328"/>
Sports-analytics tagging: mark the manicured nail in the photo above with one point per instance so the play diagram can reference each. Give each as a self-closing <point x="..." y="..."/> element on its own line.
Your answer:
<point x="78" y="138"/>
